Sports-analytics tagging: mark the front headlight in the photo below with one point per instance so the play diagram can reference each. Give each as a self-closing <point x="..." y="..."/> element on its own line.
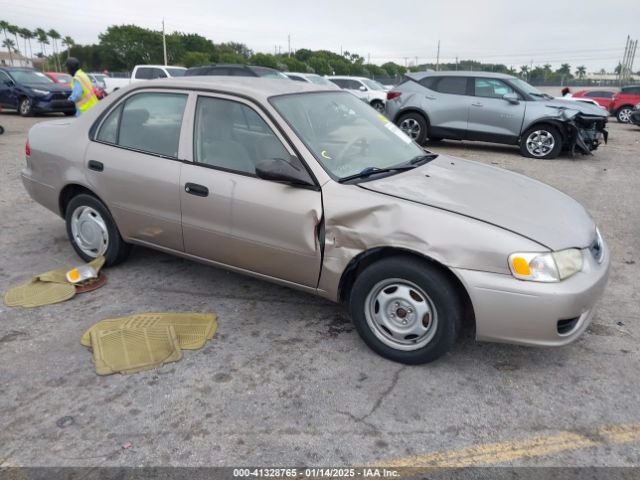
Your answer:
<point x="546" y="267"/>
<point x="40" y="92"/>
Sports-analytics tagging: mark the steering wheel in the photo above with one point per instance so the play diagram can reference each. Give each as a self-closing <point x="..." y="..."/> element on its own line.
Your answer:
<point x="347" y="147"/>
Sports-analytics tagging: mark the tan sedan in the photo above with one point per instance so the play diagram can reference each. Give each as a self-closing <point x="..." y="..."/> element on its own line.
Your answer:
<point x="313" y="189"/>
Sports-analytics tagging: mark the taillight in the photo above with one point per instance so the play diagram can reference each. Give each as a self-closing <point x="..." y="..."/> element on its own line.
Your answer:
<point x="392" y="95"/>
<point x="27" y="149"/>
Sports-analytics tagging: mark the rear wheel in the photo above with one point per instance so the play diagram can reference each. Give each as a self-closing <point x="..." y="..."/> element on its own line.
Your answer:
<point x="541" y="141"/>
<point x="414" y="126"/>
<point x="69" y="114"/>
<point x="406" y="310"/>
<point x="624" y="114"/>
<point x="25" y="107"/>
<point x="92" y="231"/>
<point x="378" y="105"/>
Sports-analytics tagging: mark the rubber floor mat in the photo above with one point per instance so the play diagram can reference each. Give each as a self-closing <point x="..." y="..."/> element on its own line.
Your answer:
<point x="35" y="293"/>
<point x="192" y="329"/>
<point x="134" y="350"/>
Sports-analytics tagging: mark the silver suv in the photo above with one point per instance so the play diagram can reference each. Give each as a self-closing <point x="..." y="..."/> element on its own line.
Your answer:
<point x="493" y="107"/>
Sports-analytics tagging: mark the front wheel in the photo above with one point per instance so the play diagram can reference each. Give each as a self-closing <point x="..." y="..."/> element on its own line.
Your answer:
<point x="624" y="115"/>
<point x="92" y="231"/>
<point x="541" y="141"/>
<point x="414" y="126"/>
<point x="25" y="107"/>
<point x="406" y="310"/>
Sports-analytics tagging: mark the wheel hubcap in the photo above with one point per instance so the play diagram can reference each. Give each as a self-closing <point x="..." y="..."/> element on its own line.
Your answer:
<point x="625" y="115"/>
<point x="411" y="127"/>
<point x="25" y="106"/>
<point x="89" y="231"/>
<point x="540" y="143"/>
<point x="401" y="314"/>
<point x="379" y="106"/>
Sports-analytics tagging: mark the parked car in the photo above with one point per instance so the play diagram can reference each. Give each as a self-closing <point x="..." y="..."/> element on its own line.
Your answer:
<point x="635" y="115"/>
<point x="65" y="79"/>
<point x="494" y="107"/>
<point x="624" y="101"/>
<point x="31" y="92"/>
<point x="313" y="189"/>
<point x="99" y="85"/>
<point x="364" y="88"/>
<point x="311" y="78"/>
<point x="604" y="98"/>
<point x="141" y="73"/>
<point x="235" y="70"/>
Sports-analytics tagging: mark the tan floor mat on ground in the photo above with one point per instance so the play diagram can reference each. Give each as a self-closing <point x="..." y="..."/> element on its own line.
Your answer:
<point x="192" y="329"/>
<point x="45" y="289"/>
<point x="133" y="350"/>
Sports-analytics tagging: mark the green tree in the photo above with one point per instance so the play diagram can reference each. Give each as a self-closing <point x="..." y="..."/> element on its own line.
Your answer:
<point x="55" y="36"/>
<point x="191" y="59"/>
<point x="69" y="43"/>
<point x="131" y="45"/>
<point x="581" y="71"/>
<point x="264" y="60"/>
<point x="11" y="47"/>
<point x="293" y="64"/>
<point x="4" y="26"/>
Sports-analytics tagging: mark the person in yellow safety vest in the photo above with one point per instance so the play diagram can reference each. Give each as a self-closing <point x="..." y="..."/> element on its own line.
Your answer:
<point x="82" y="90"/>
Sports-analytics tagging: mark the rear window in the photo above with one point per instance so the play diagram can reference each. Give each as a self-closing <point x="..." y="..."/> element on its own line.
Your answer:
<point x="599" y="94"/>
<point x="635" y="90"/>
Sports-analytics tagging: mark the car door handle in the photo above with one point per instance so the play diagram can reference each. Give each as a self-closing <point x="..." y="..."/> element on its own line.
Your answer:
<point x="477" y="104"/>
<point x="197" y="190"/>
<point x="95" y="165"/>
<point x="429" y="97"/>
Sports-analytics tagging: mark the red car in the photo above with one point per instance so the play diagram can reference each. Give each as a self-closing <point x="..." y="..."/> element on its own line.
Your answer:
<point x="623" y="103"/>
<point x="603" y="97"/>
<point x="65" y="79"/>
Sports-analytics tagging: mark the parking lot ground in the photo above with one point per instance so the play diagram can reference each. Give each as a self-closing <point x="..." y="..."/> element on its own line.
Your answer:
<point x="287" y="381"/>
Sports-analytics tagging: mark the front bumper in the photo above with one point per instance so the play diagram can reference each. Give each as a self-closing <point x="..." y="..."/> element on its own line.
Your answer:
<point x="47" y="105"/>
<point x="635" y="117"/>
<point x="527" y="313"/>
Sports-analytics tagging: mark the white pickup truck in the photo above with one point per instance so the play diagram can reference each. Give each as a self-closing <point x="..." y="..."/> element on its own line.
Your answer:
<point x="143" y="72"/>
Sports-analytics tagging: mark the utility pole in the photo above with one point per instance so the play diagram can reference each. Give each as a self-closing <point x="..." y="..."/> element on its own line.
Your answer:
<point x="456" y="63"/>
<point x="164" y="43"/>
<point x="406" y="64"/>
<point x="438" y="57"/>
<point x="289" y="40"/>
<point x="416" y="64"/>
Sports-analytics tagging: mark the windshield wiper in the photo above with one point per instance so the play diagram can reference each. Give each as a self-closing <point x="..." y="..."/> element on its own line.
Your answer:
<point x="411" y="164"/>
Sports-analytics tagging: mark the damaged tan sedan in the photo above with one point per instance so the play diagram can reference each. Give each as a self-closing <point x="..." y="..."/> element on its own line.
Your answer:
<point x="315" y="190"/>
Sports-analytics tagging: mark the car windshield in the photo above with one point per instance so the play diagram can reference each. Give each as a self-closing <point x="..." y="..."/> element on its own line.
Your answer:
<point x="526" y="88"/>
<point x="372" y="84"/>
<point x="176" y="72"/>
<point x="99" y="77"/>
<point x="345" y="134"/>
<point x="318" y="80"/>
<point x="29" y="77"/>
<point x="268" y="73"/>
<point x="63" y="78"/>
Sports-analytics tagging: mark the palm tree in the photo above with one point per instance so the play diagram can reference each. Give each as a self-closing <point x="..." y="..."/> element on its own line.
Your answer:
<point x="55" y="36"/>
<point x="9" y="45"/>
<point x="581" y="71"/>
<point x="13" y="30"/>
<point x="23" y="35"/>
<point x="524" y="71"/>
<point x="4" y="26"/>
<point x="69" y="43"/>
<point x="43" y="40"/>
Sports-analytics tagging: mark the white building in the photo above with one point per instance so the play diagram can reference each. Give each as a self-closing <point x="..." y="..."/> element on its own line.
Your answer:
<point x="18" y="60"/>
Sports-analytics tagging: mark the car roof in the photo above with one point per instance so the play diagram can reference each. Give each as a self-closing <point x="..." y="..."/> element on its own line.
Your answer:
<point x="253" y="87"/>
<point x="459" y="73"/>
<point x="161" y="66"/>
<point x="349" y="77"/>
<point x="13" y="69"/>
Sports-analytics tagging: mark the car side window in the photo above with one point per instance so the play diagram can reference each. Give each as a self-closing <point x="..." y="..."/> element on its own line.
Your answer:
<point x="144" y="73"/>
<point x="340" y="82"/>
<point x="491" y="88"/>
<point x="232" y="136"/>
<point x="452" y="85"/>
<point x="296" y="78"/>
<point x="355" y="85"/>
<point x="158" y="73"/>
<point x="149" y="122"/>
<point x="4" y="78"/>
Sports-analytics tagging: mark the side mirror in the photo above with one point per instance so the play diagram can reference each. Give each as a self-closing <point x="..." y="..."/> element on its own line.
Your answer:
<point x="363" y="88"/>
<point x="511" y="98"/>
<point x="9" y="83"/>
<point x="279" y="170"/>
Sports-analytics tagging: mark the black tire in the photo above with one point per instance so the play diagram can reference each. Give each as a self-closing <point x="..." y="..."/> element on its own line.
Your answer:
<point x="528" y="151"/>
<point x="435" y="139"/>
<point x="117" y="249"/>
<point x="623" y="113"/>
<point x="69" y="114"/>
<point x="1" y="129"/>
<point x="25" y="107"/>
<point x="442" y="295"/>
<point x="378" y="105"/>
<point x="414" y="125"/>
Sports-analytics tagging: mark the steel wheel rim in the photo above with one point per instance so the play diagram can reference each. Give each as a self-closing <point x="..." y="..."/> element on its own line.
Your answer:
<point x="89" y="231"/>
<point x="411" y="127"/>
<point x="401" y="315"/>
<point x="540" y="143"/>
<point x="25" y="106"/>
<point x="625" y="115"/>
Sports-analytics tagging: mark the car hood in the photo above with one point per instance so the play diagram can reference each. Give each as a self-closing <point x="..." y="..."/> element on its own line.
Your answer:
<point x="579" y="107"/>
<point x="508" y="200"/>
<point x="50" y="87"/>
